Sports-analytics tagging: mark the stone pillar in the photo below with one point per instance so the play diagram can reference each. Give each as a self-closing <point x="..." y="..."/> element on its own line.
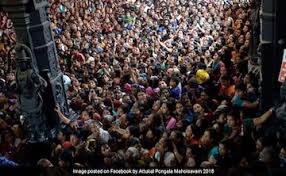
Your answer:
<point x="32" y="26"/>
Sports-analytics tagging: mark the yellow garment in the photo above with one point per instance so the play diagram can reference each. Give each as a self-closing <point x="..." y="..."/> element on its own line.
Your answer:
<point x="103" y="45"/>
<point x="53" y="26"/>
<point x="202" y="76"/>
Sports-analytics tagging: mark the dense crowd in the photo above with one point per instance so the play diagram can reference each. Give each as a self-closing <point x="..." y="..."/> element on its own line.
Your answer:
<point x="156" y="83"/>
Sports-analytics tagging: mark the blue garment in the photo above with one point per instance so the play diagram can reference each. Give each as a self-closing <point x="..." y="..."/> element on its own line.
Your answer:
<point x="236" y="101"/>
<point x="216" y="66"/>
<point x="58" y="30"/>
<point x="99" y="50"/>
<point x="4" y="162"/>
<point x="161" y="29"/>
<point x="129" y="27"/>
<point x="251" y="96"/>
<point x="144" y="76"/>
<point x="114" y="113"/>
<point x="184" y="90"/>
<point x="130" y="116"/>
<point x="214" y="151"/>
<point x="62" y="8"/>
<point x="176" y="92"/>
<point x="174" y="26"/>
<point x="189" y="116"/>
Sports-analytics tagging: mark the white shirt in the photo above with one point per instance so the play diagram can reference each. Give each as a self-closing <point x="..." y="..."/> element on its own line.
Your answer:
<point x="104" y="135"/>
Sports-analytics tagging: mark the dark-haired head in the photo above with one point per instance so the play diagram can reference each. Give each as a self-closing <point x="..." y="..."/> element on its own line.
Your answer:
<point x="209" y="137"/>
<point x="240" y="87"/>
<point x="233" y="118"/>
<point x="174" y="81"/>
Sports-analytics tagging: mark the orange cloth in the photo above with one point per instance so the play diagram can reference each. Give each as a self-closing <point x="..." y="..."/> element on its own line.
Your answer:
<point x="2" y="47"/>
<point x="152" y="152"/>
<point x="192" y="141"/>
<point x="230" y="91"/>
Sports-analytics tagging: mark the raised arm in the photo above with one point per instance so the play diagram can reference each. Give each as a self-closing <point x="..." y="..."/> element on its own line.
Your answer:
<point x="164" y="46"/>
<point x="62" y="116"/>
<point x="250" y="105"/>
<point x="263" y="117"/>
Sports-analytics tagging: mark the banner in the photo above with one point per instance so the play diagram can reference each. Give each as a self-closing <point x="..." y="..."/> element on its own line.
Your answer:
<point x="282" y="73"/>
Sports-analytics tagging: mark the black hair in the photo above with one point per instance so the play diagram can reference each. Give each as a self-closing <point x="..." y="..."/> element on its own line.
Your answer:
<point x="195" y="131"/>
<point x="132" y="142"/>
<point x="253" y="79"/>
<point x="107" y="102"/>
<point x="77" y="134"/>
<point x="228" y="144"/>
<point x="176" y="80"/>
<point x="66" y="156"/>
<point x="124" y="107"/>
<point x="168" y="144"/>
<point x="84" y="133"/>
<point x="156" y="120"/>
<point x="240" y="86"/>
<point x="134" y="131"/>
<point x="131" y="118"/>
<point x="201" y="65"/>
<point x="225" y="78"/>
<point x="153" y="82"/>
<point x="213" y="134"/>
<point x="183" y="69"/>
<point x="179" y="136"/>
<point x="235" y="113"/>
<point x="203" y="126"/>
<point x="171" y="104"/>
